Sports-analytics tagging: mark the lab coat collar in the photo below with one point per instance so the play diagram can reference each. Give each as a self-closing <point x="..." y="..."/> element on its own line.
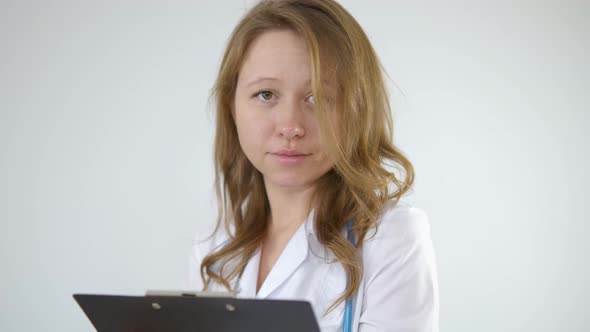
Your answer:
<point x="290" y="259"/>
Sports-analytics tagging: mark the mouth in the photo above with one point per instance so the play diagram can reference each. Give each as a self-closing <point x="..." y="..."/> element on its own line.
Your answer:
<point x="290" y="154"/>
<point x="289" y="157"/>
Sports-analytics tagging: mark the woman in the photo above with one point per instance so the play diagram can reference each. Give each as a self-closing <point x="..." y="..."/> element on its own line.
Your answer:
<point x="309" y="206"/>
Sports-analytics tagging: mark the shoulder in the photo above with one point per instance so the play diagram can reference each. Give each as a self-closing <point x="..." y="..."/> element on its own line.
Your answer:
<point x="213" y="240"/>
<point x="401" y="222"/>
<point x="400" y="245"/>
<point x="203" y="245"/>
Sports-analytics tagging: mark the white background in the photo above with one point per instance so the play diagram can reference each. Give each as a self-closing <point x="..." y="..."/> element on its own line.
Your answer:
<point x="106" y="150"/>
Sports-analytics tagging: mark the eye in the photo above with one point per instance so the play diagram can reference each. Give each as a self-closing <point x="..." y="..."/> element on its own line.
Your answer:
<point x="310" y="99"/>
<point x="264" y="95"/>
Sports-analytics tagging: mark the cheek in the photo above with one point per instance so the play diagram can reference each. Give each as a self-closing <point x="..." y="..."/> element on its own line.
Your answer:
<point x="329" y="140"/>
<point x="242" y="118"/>
<point x="246" y="135"/>
<point x="253" y="132"/>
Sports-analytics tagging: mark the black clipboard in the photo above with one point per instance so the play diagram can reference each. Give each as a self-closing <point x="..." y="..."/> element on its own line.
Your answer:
<point x="116" y="313"/>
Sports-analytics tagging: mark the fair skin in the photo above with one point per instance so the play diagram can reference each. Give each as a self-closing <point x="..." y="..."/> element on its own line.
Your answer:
<point x="279" y="133"/>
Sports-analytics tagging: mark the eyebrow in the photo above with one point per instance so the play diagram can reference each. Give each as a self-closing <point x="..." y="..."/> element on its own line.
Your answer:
<point x="273" y="79"/>
<point x="262" y="79"/>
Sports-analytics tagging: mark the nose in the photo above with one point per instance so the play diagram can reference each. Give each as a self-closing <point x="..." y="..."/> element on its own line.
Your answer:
<point x="290" y="121"/>
<point x="291" y="132"/>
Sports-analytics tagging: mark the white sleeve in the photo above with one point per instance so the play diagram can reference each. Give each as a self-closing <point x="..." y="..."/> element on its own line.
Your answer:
<point x="400" y="281"/>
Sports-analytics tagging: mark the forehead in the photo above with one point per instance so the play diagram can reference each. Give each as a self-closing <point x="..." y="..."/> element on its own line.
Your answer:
<point x="277" y="53"/>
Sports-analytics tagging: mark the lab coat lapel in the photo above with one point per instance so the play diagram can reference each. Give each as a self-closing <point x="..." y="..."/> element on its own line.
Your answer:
<point x="291" y="258"/>
<point x="247" y="287"/>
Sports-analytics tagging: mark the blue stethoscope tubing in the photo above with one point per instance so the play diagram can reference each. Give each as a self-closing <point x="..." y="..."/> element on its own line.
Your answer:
<point x="347" y="323"/>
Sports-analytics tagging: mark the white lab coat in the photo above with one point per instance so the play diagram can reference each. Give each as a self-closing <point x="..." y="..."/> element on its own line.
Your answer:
<point x="398" y="292"/>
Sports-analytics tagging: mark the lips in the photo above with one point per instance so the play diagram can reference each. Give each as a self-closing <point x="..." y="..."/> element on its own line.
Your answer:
<point x="290" y="153"/>
<point x="289" y="157"/>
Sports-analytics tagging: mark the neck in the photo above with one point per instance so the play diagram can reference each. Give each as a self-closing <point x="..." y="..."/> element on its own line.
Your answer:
<point x="288" y="207"/>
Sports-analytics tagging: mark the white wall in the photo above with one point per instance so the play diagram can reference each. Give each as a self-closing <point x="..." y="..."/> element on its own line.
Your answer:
<point x="105" y="150"/>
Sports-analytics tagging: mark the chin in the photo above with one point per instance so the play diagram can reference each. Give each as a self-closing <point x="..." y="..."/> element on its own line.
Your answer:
<point x="291" y="181"/>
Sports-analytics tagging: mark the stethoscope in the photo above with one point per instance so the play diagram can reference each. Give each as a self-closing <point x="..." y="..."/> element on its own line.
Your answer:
<point x="347" y="319"/>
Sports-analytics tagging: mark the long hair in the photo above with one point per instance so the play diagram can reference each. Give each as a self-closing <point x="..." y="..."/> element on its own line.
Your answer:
<point x="363" y="179"/>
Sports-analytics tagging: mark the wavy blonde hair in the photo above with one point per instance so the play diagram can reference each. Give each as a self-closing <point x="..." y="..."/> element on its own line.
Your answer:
<point x="359" y="185"/>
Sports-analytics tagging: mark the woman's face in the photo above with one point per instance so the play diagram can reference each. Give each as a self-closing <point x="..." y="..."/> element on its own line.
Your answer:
<point x="274" y="112"/>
